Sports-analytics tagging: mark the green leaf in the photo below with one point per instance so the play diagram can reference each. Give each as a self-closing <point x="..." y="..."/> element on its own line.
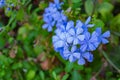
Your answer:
<point x="76" y="1"/>
<point x="69" y="67"/>
<point x="89" y="7"/>
<point x="65" y="77"/>
<point x="76" y="75"/>
<point x="31" y="75"/>
<point x="105" y="7"/>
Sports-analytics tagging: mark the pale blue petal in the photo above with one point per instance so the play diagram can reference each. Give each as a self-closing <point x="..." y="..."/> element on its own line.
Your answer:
<point x="104" y="41"/>
<point x="72" y="31"/>
<point x="79" y="24"/>
<point x="88" y="20"/>
<point x="71" y="58"/>
<point x="99" y="31"/>
<point x="70" y="24"/>
<point x="45" y="26"/>
<point x="83" y="47"/>
<point x="91" y="47"/>
<point x="55" y="38"/>
<point x="70" y="39"/>
<point x="75" y="41"/>
<point x="88" y="56"/>
<point x="73" y="49"/>
<point x="90" y="25"/>
<point x="81" y="37"/>
<point x="106" y="34"/>
<point x="59" y="44"/>
<point x="79" y="30"/>
<point x="81" y="61"/>
<point x="87" y="35"/>
<point x="77" y="55"/>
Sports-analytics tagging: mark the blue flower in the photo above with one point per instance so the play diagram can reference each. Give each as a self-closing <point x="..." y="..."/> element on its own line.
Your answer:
<point x="75" y="36"/>
<point x="2" y="3"/>
<point x="72" y="54"/>
<point x="53" y="16"/>
<point x="90" y="42"/>
<point x="59" y="41"/>
<point x="85" y="25"/>
<point x="49" y="22"/>
<point x="87" y="55"/>
<point x="102" y="38"/>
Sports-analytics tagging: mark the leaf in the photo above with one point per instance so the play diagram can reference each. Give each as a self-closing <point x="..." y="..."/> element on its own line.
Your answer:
<point x="105" y="7"/>
<point x="89" y="7"/>
<point x="68" y="67"/>
<point x="76" y="75"/>
<point x="30" y="75"/>
<point x="65" y="77"/>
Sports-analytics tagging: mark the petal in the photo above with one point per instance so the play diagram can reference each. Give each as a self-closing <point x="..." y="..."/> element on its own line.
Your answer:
<point x="104" y="41"/>
<point x="83" y="47"/>
<point x="81" y="61"/>
<point x="71" y="58"/>
<point x="106" y="34"/>
<point x="70" y="24"/>
<point x="49" y="28"/>
<point x="79" y="30"/>
<point x="75" y="41"/>
<point x="91" y="47"/>
<point x="98" y="31"/>
<point x="88" y="20"/>
<point x="45" y="26"/>
<point x="87" y="35"/>
<point x="59" y="44"/>
<point x="62" y="36"/>
<point x="77" y="55"/>
<point x="55" y="38"/>
<point x="88" y="56"/>
<point x="70" y="39"/>
<point x="79" y="24"/>
<point x="73" y="49"/>
<point x="81" y="37"/>
<point x="72" y="31"/>
<point x="90" y="25"/>
<point x="56" y="1"/>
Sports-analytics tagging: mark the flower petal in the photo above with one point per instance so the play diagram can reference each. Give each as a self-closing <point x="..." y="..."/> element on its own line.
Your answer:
<point x="106" y="34"/>
<point x="81" y="37"/>
<point x="88" y="20"/>
<point x="81" y="61"/>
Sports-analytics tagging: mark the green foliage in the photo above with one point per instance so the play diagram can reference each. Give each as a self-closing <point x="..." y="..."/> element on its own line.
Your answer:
<point x="26" y="51"/>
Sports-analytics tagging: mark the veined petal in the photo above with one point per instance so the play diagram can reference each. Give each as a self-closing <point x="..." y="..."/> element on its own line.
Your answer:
<point x="81" y="61"/>
<point x="91" y="47"/>
<point x="55" y="38"/>
<point x="104" y="41"/>
<point x="70" y="39"/>
<point x="71" y="58"/>
<point x="88" y="20"/>
<point x="45" y="26"/>
<point x="81" y="37"/>
<point x="106" y="34"/>
<point x="59" y="44"/>
<point x="79" y="30"/>
<point x="72" y="31"/>
<point x="90" y="25"/>
<point x="83" y="47"/>
<point x="79" y="24"/>
<point x="75" y="41"/>
<point x="77" y="55"/>
<point x="87" y="35"/>
<point x="70" y="24"/>
<point x="73" y="49"/>
<point x="98" y="31"/>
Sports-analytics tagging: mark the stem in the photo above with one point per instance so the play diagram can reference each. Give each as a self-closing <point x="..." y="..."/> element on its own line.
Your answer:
<point x="110" y="62"/>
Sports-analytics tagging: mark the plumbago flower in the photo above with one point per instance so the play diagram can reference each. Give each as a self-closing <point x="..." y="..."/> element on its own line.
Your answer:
<point x="73" y="42"/>
<point x="53" y="15"/>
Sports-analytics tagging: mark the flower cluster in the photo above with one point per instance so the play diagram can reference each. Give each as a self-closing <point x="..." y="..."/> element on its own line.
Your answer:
<point x="73" y="42"/>
<point x="53" y="16"/>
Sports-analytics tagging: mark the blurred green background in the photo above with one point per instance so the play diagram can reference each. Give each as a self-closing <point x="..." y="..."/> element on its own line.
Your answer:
<point x="26" y="51"/>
